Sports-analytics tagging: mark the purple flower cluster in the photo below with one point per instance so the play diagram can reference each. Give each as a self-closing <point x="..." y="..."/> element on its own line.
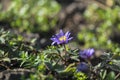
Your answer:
<point x="88" y="53"/>
<point x="61" y="38"/>
<point x="64" y="38"/>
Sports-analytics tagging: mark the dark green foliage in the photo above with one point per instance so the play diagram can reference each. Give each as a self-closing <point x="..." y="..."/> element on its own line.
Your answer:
<point x="56" y="62"/>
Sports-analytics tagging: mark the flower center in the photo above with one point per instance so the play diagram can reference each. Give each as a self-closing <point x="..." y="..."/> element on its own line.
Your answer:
<point x="62" y="38"/>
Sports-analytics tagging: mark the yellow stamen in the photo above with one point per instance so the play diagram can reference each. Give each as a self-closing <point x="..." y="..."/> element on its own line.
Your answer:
<point x="62" y="38"/>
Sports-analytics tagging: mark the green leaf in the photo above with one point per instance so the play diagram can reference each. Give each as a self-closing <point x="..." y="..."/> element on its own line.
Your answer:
<point x="2" y="40"/>
<point x="114" y="65"/>
<point x="75" y="58"/>
<point x="80" y="76"/>
<point x="103" y="74"/>
<point x="6" y="60"/>
<point x="110" y="76"/>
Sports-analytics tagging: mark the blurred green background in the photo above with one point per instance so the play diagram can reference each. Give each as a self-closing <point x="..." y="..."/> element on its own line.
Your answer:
<point x="29" y="15"/>
<point x="94" y="23"/>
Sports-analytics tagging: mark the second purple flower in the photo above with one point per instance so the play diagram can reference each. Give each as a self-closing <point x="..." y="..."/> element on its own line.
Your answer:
<point x="88" y="53"/>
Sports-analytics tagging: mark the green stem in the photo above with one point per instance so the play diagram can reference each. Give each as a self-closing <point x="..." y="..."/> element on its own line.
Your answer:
<point x="60" y="56"/>
<point x="65" y="53"/>
<point x="65" y="48"/>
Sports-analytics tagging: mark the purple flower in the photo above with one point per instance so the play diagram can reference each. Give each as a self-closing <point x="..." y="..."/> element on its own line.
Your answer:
<point x="82" y="67"/>
<point x="88" y="53"/>
<point x="61" y="38"/>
